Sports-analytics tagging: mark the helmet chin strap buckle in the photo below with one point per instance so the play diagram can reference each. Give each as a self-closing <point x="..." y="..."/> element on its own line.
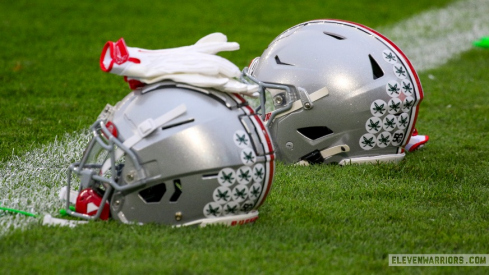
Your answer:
<point x="305" y="99"/>
<point x="318" y="157"/>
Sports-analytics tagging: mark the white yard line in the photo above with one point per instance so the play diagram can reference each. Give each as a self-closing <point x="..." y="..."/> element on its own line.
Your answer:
<point x="433" y="37"/>
<point x="31" y="182"/>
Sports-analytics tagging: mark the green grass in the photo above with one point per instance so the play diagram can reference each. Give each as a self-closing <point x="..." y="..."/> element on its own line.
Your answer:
<point x="316" y="220"/>
<point x="51" y="80"/>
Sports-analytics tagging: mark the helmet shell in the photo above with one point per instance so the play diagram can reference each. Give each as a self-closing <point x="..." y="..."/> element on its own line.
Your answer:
<point x="373" y="91"/>
<point x="214" y="162"/>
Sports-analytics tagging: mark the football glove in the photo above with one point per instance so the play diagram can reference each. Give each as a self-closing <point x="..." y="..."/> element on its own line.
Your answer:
<point x="196" y="64"/>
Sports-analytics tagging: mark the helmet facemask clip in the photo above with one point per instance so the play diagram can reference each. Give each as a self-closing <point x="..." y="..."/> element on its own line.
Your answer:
<point x="305" y="99"/>
<point x="289" y="94"/>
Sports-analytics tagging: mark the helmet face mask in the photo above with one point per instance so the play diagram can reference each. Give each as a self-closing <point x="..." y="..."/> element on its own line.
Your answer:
<point x="208" y="160"/>
<point x="352" y="94"/>
<point x="282" y="95"/>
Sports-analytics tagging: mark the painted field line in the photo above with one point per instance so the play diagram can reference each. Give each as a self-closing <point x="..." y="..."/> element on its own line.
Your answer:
<point x="433" y="37"/>
<point x="31" y="182"/>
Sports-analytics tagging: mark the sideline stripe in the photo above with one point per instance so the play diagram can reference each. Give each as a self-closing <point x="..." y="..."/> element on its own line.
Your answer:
<point x="435" y="36"/>
<point x="31" y="182"/>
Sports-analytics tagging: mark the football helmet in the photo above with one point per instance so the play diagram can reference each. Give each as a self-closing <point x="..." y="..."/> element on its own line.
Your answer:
<point x="342" y="93"/>
<point x="174" y="154"/>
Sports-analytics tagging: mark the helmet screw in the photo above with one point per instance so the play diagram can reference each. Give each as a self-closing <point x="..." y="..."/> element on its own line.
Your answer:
<point x="178" y="216"/>
<point x="278" y="100"/>
<point x="307" y="106"/>
<point x="130" y="176"/>
<point x="289" y="145"/>
<point x="117" y="202"/>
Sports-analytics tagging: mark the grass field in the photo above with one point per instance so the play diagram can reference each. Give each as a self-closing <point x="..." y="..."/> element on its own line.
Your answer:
<point x="317" y="220"/>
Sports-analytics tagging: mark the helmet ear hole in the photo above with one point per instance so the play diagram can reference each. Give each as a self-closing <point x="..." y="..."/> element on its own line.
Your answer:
<point x="315" y="132"/>
<point x="178" y="190"/>
<point x="153" y="193"/>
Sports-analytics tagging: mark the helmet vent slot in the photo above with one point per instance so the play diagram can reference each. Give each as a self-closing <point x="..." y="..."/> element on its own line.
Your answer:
<point x="190" y="120"/>
<point x="315" y="132"/>
<point x="153" y="193"/>
<point x="277" y="59"/>
<point x="178" y="190"/>
<point x="209" y="176"/>
<point x="335" y="36"/>
<point x="376" y="70"/>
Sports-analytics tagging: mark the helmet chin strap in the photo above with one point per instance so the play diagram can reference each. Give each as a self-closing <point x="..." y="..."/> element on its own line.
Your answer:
<point x="391" y="158"/>
<point x="144" y="129"/>
<point x="320" y="156"/>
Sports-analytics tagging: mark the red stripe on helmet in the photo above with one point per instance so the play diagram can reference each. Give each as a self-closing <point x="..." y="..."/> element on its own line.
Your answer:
<point x="271" y="156"/>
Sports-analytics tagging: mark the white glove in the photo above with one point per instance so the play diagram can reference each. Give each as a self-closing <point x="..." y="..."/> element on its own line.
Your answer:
<point x="218" y="82"/>
<point x="195" y="65"/>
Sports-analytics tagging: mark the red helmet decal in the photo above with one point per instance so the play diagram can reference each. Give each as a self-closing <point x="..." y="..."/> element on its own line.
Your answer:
<point x="88" y="202"/>
<point x="111" y="127"/>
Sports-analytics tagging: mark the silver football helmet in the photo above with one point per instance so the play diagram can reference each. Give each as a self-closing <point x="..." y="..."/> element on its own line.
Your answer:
<point x="175" y="154"/>
<point x="342" y="93"/>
